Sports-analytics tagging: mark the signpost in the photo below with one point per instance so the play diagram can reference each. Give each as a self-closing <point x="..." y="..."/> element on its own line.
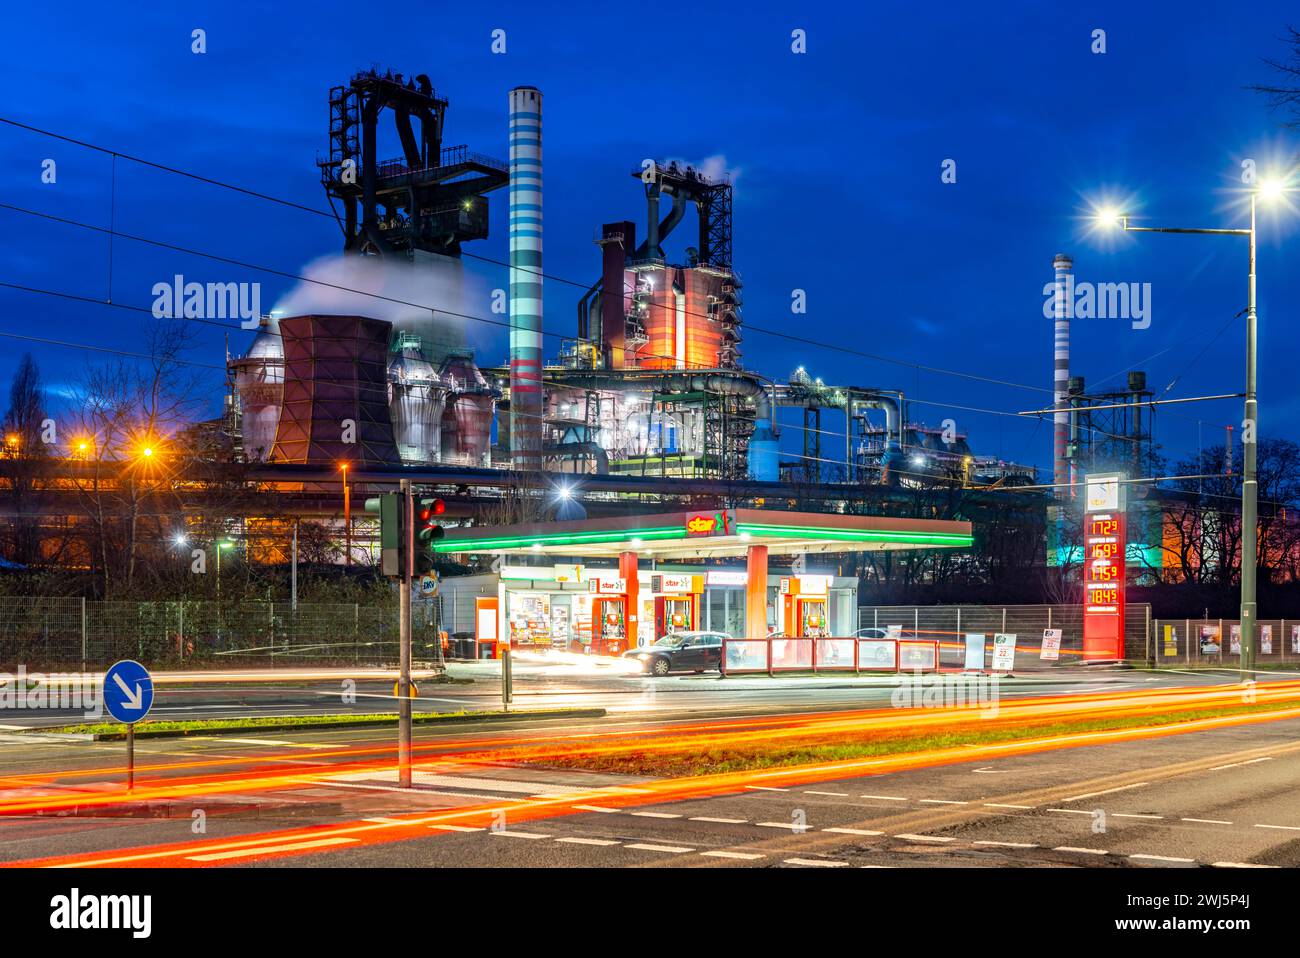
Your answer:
<point x="974" y="661"/>
<point x="1004" y="652"/>
<point x="128" y="697"/>
<point x="1104" y="574"/>
<point x="1051" y="645"/>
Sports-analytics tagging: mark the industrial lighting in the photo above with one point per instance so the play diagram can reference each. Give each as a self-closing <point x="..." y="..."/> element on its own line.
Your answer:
<point x="147" y="452"/>
<point x="636" y="544"/>
<point x="1108" y="217"/>
<point x="565" y="492"/>
<point x="180" y="539"/>
<point x="225" y="544"/>
<point x="918" y="460"/>
<point x="537" y="547"/>
<point x="1271" y="190"/>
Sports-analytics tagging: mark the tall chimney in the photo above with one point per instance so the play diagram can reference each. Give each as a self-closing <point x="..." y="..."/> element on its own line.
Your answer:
<point x="526" y="278"/>
<point x="1062" y="300"/>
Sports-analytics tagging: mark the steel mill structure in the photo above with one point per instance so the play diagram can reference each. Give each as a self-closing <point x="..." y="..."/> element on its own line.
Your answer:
<point x="649" y="384"/>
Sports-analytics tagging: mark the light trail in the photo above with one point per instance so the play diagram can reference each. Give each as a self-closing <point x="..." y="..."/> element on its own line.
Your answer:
<point x="319" y="838"/>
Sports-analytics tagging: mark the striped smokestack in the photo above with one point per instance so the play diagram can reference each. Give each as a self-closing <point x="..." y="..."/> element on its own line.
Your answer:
<point x="526" y="277"/>
<point x="1061" y="303"/>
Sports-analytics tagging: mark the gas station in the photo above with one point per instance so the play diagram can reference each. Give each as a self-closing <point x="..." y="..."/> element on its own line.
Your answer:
<point x="605" y="585"/>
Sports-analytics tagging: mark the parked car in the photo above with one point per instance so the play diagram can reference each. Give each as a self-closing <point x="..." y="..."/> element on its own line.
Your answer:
<point x="680" y="652"/>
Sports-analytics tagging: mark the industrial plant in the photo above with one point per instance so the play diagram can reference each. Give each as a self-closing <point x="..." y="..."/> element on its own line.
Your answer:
<point x="649" y="382"/>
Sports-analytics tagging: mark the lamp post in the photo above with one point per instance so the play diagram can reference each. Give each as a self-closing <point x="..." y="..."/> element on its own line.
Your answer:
<point x="347" y="516"/>
<point x="1250" y="424"/>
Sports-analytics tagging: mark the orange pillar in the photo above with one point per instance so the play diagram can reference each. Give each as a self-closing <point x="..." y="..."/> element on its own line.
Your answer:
<point x="756" y="593"/>
<point x="627" y="572"/>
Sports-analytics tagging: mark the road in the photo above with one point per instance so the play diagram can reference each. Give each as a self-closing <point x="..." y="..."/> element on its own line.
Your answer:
<point x="1207" y="795"/>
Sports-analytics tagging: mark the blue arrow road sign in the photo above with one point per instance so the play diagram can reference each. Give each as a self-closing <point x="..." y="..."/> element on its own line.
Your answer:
<point x="128" y="691"/>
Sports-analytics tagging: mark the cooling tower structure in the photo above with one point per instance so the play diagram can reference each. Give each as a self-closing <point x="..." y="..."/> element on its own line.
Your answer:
<point x="1061" y="301"/>
<point x="335" y="404"/>
<point x="416" y="401"/>
<point x="526" y="278"/>
<point x="468" y="414"/>
<point x="259" y="382"/>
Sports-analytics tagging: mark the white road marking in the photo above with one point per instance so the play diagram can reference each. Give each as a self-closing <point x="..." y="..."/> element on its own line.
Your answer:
<point x="1241" y="865"/>
<point x="941" y="801"/>
<point x="458" y="828"/>
<point x="719" y="821"/>
<point x="767" y="788"/>
<point x="596" y="808"/>
<point x="1081" y="851"/>
<point x="745" y="856"/>
<point x="1164" y="858"/>
<point x="271" y="849"/>
<point x="885" y="798"/>
<point x="656" y="814"/>
<point x="852" y="831"/>
<point x="1289" y="828"/>
<point x="809" y="791"/>
<point x="923" y="838"/>
<point x="384" y="821"/>
<point x="1106" y="791"/>
<point x="1071" y="811"/>
<point x="1207" y="821"/>
<point x="790" y="825"/>
<point x="530" y="836"/>
<point x="1009" y="844"/>
<point x="1135" y="815"/>
<point x="588" y="841"/>
<point x="659" y="848"/>
<point x="814" y="863"/>
<point x="273" y="741"/>
<point x="1004" y="805"/>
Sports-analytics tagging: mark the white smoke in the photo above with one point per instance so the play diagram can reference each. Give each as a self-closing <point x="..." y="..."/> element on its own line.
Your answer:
<point x="713" y="167"/>
<point x="431" y="296"/>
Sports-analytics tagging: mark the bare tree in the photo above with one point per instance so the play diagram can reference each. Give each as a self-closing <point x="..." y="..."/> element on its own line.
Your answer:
<point x="23" y="450"/>
<point x="1284" y="95"/>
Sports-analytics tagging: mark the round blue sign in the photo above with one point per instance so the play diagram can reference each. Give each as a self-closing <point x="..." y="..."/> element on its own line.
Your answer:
<point x="128" y="691"/>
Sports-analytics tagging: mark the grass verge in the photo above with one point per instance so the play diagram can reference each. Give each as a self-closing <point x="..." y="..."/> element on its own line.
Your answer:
<point x="112" y="730"/>
<point x="705" y="760"/>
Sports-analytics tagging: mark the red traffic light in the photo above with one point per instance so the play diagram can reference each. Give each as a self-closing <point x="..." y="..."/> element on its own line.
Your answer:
<point x="430" y="508"/>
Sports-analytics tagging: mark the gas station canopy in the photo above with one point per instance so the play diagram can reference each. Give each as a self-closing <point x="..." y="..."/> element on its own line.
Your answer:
<point x="710" y="534"/>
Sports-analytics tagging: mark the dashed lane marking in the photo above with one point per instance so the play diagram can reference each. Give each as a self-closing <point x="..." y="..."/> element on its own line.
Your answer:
<point x="1164" y="858"/>
<point x="923" y="838"/>
<point x="588" y="841"/>
<point x="271" y="849"/>
<point x="458" y="828"/>
<point x="719" y="821"/>
<point x="597" y="808"/>
<point x="1071" y="811"/>
<point x="766" y="788"/>
<point x="1105" y="791"/>
<point x="852" y="831"/>
<point x="742" y="856"/>
<point x="815" y="863"/>
<point x="1080" y="851"/>
<point x="792" y="826"/>
<point x="656" y="814"/>
<point x="1241" y="865"/>
<point x="1289" y="828"/>
<point x="885" y="798"/>
<point x="1207" y="821"/>
<point x="530" y="836"/>
<point x="1008" y="844"/>
<point x="1004" y="805"/>
<point x="831" y="794"/>
<point x="941" y="801"/>
<point x="1135" y="815"/>
<point x="659" y="848"/>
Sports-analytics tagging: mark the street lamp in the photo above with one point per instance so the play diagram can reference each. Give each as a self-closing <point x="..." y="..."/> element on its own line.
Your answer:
<point x="347" y="516"/>
<point x="1270" y="190"/>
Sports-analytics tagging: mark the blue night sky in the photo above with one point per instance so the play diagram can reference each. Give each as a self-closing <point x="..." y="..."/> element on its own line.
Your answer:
<point x="837" y="157"/>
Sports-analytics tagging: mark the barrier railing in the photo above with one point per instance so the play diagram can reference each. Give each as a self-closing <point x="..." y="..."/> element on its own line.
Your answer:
<point x="828" y="654"/>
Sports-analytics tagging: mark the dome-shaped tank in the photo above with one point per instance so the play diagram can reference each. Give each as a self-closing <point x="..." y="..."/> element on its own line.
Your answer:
<point x="467" y="417"/>
<point x="259" y="379"/>
<point x="416" y="398"/>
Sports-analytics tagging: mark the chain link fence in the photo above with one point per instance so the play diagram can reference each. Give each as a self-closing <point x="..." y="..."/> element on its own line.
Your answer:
<point x="948" y="624"/>
<point x="50" y="633"/>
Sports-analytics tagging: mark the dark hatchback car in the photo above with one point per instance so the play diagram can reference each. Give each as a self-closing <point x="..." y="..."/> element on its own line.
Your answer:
<point x="680" y="652"/>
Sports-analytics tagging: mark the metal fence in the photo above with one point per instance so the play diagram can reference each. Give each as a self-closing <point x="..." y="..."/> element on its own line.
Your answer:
<point x="1211" y="643"/>
<point x="948" y="624"/>
<point x="64" y="632"/>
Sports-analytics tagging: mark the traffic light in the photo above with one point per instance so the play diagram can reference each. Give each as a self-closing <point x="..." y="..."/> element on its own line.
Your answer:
<point x="428" y="531"/>
<point x="389" y="509"/>
<point x="427" y="519"/>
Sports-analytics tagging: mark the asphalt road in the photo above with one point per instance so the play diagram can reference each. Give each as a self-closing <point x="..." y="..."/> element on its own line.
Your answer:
<point x="1221" y="796"/>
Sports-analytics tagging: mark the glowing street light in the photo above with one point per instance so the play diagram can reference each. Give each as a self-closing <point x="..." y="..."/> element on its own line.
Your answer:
<point x="1270" y="190"/>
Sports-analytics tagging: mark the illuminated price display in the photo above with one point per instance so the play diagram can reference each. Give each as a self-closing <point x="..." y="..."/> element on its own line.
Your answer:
<point x="1103" y="570"/>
